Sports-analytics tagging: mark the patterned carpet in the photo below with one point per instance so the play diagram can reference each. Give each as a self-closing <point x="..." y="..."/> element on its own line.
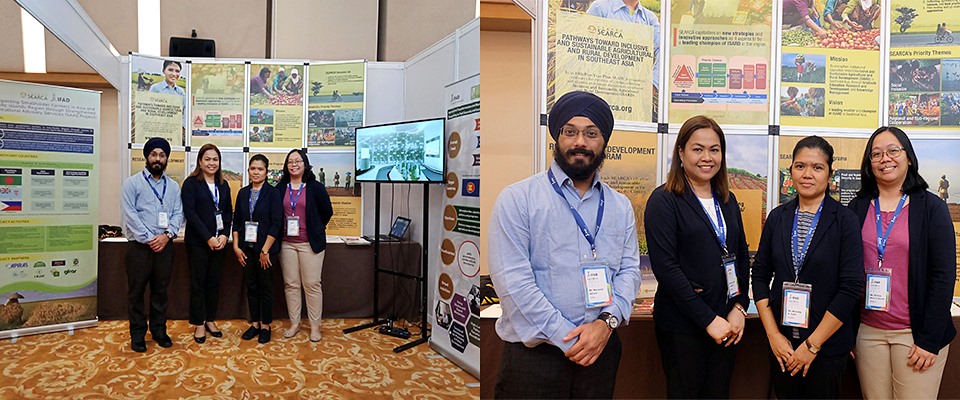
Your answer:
<point x="97" y="363"/>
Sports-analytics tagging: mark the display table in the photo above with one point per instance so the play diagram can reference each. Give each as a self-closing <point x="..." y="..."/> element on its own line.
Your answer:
<point x="347" y="283"/>
<point x="641" y="374"/>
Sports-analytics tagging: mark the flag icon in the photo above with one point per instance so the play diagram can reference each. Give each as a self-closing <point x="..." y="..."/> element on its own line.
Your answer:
<point x="11" y="180"/>
<point x="6" y="206"/>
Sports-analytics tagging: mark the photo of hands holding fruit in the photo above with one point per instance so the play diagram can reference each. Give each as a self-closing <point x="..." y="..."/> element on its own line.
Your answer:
<point x="852" y="24"/>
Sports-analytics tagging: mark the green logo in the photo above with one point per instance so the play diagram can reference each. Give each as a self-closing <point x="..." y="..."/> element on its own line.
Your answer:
<point x="39" y="264"/>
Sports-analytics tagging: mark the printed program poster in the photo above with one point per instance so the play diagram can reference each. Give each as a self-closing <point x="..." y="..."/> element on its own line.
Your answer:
<point x="938" y="166"/>
<point x="719" y="61"/>
<point x="176" y="164"/>
<point x="830" y="65"/>
<point x="600" y="47"/>
<point x="158" y="99"/>
<point x="49" y="207"/>
<point x="216" y="111"/>
<point x="337" y="172"/>
<point x="847" y="156"/>
<point x="924" y="64"/>
<point x="455" y="286"/>
<point x="276" y="106"/>
<point x="232" y="168"/>
<point x="335" y="104"/>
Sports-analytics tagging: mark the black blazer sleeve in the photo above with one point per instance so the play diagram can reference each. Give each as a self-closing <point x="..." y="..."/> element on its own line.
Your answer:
<point x="941" y="266"/>
<point x="324" y="206"/>
<point x="226" y="209"/>
<point x="850" y="274"/>
<point x="276" y="216"/>
<point x="762" y="271"/>
<point x="194" y="204"/>
<point x="240" y="210"/>
<point x="743" y="260"/>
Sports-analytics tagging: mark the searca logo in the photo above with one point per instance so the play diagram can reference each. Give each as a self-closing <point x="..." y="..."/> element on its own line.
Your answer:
<point x="603" y="31"/>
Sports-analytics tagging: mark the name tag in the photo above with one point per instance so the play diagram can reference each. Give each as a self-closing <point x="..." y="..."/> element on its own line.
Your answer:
<point x="250" y="232"/>
<point x="293" y="225"/>
<point x="162" y="220"/>
<point x="219" y="219"/>
<point x="796" y="304"/>
<point x="730" y="270"/>
<point x="596" y="284"/>
<point x="878" y="291"/>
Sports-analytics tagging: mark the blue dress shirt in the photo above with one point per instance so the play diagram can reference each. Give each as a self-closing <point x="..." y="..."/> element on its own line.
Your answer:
<point x="615" y="9"/>
<point x="141" y="208"/>
<point x="536" y="250"/>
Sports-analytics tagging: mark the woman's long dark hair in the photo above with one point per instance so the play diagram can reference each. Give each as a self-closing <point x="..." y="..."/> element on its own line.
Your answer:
<point x="198" y="169"/>
<point x="677" y="178"/>
<point x="308" y="175"/>
<point x="868" y="181"/>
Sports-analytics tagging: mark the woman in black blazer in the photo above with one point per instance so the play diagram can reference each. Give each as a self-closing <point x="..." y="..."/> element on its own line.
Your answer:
<point x="810" y="248"/>
<point x="701" y="299"/>
<point x="306" y="210"/>
<point x="902" y="351"/>
<point x="207" y="209"/>
<point x="256" y="227"/>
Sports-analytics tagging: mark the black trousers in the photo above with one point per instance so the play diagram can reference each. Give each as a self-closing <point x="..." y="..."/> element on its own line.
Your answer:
<point x="823" y="380"/>
<point x="259" y="286"/>
<point x="145" y="267"/>
<point x="695" y="365"/>
<point x="543" y="372"/>
<point x="205" y="266"/>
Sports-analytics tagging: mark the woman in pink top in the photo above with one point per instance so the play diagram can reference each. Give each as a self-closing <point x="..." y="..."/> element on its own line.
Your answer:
<point x="909" y="251"/>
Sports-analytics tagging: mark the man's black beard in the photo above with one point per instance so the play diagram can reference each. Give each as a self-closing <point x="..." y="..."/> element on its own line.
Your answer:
<point x="156" y="168"/>
<point x="579" y="172"/>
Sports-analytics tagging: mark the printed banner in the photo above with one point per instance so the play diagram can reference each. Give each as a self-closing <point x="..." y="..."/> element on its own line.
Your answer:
<point x="601" y="47"/>
<point x="232" y="167"/>
<point x="158" y="99"/>
<point x="924" y="64"/>
<point x="830" y="65"/>
<point x="719" y="62"/>
<point x="216" y="111"/>
<point x="845" y="182"/>
<point x="336" y="171"/>
<point x="276" y="106"/>
<point x="335" y="104"/>
<point x="455" y="313"/>
<point x="938" y="164"/>
<point x="49" y="197"/>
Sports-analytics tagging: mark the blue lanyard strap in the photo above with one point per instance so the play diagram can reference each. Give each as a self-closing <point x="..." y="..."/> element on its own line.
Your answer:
<point x="882" y="237"/>
<point x="721" y="229"/>
<point x="800" y="253"/>
<point x="155" y="192"/>
<point x="253" y="200"/>
<point x="293" y="200"/>
<point x="576" y="215"/>
<point x="216" y="196"/>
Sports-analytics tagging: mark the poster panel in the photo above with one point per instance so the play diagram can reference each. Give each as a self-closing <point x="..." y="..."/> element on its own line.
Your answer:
<point x="603" y="47"/>
<point x="938" y="164"/>
<point x="336" y="171"/>
<point x="216" y="111"/>
<point x="845" y="181"/>
<point x="830" y="65"/>
<point x="158" y="99"/>
<point x="49" y="196"/>
<point x="924" y="65"/>
<point x="276" y="106"/>
<point x="720" y="61"/>
<point x="335" y="104"/>
<point x="455" y="312"/>
<point x="176" y="164"/>
<point x="233" y="167"/>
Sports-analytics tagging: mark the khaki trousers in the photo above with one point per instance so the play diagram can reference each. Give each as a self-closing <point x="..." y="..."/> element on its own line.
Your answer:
<point x="883" y="370"/>
<point x="302" y="268"/>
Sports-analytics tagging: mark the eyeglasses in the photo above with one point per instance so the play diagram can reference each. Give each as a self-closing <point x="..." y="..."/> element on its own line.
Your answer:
<point x="295" y="162"/>
<point x="589" y="133"/>
<point x="893" y="153"/>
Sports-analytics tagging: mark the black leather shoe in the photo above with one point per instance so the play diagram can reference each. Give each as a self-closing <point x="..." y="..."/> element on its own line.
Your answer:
<point x="138" y="346"/>
<point x="212" y="333"/>
<point x="251" y="333"/>
<point x="264" y="336"/>
<point x="200" y="339"/>
<point x="163" y="340"/>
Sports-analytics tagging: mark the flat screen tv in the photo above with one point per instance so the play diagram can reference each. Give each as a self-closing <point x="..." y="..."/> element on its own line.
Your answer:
<point x="409" y="151"/>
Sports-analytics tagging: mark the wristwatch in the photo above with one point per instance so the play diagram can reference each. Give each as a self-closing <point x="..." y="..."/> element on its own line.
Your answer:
<point x="611" y="321"/>
<point x="813" y="349"/>
<point x="170" y="235"/>
<point x="740" y="308"/>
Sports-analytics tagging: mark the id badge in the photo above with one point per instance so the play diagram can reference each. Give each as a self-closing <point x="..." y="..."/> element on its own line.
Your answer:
<point x="293" y="225"/>
<point x="596" y="284"/>
<point x="796" y="304"/>
<point x="219" y="218"/>
<point x="162" y="220"/>
<point x="730" y="270"/>
<point x="250" y="232"/>
<point x="878" y="290"/>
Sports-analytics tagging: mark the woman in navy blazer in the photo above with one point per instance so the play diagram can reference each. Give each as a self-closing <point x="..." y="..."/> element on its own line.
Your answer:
<point x="699" y="317"/>
<point x="815" y="235"/>
<point x="255" y="244"/>
<point x="903" y="352"/>
<point x="307" y="210"/>
<point x="208" y="211"/>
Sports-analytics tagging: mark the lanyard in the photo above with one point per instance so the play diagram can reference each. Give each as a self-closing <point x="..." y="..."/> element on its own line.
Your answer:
<point x="159" y="196"/>
<point x="576" y="215"/>
<point x="293" y="200"/>
<point x="253" y="200"/>
<point x="721" y="229"/>
<point x="216" y="197"/>
<point x="882" y="238"/>
<point x="800" y="253"/>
